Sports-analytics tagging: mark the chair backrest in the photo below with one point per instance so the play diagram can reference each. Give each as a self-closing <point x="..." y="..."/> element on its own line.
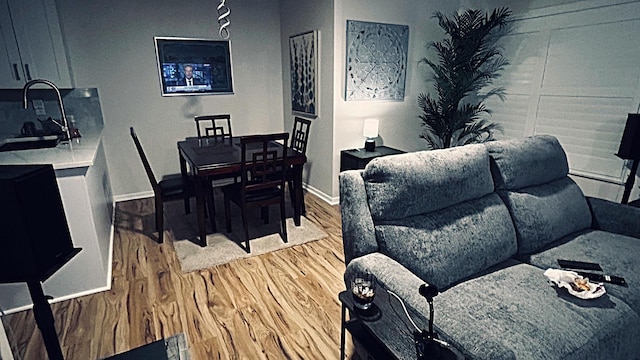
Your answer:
<point x="217" y="127"/>
<point x="300" y="135"/>
<point x="262" y="161"/>
<point x="145" y="162"/>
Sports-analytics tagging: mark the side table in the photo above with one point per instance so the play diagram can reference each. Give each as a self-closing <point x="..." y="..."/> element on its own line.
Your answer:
<point x="355" y="159"/>
<point x="384" y="331"/>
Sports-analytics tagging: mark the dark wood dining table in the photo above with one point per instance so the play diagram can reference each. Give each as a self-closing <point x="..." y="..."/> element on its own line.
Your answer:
<point x="207" y="158"/>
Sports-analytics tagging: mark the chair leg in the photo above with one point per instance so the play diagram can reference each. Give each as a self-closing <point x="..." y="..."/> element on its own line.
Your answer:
<point x="159" y="219"/>
<point x="246" y="228"/>
<point x="283" y="220"/>
<point x="227" y="212"/>
<point x="292" y="193"/>
<point x="187" y="206"/>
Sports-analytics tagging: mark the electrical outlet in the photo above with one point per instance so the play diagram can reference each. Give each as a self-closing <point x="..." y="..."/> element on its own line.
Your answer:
<point x="38" y="106"/>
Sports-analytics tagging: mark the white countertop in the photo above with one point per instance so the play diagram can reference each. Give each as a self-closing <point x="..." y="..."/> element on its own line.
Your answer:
<point x="63" y="156"/>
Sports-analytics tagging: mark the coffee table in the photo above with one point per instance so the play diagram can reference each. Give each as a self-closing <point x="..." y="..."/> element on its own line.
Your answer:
<point x="384" y="330"/>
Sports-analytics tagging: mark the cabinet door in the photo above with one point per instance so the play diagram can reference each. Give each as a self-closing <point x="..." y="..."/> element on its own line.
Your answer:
<point x="39" y="38"/>
<point x="11" y="75"/>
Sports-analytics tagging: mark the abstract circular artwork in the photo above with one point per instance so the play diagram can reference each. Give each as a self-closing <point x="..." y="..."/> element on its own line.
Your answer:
<point x="376" y="61"/>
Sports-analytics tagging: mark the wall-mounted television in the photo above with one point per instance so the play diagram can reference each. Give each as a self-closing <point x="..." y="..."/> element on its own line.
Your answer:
<point x="194" y="66"/>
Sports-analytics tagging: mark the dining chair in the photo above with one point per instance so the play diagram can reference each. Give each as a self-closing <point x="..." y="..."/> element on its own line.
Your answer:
<point x="299" y="137"/>
<point x="262" y="180"/>
<point x="217" y="127"/>
<point x="171" y="187"/>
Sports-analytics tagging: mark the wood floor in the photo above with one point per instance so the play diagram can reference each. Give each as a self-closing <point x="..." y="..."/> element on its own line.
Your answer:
<point x="281" y="305"/>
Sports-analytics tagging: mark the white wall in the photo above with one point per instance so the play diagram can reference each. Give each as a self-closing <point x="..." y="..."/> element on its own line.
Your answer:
<point x="110" y="46"/>
<point x="399" y="124"/>
<point x="298" y="16"/>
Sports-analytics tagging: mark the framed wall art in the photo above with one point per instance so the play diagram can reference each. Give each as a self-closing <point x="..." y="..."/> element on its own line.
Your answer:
<point x="194" y="66"/>
<point x="303" y="56"/>
<point x="376" y="65"/>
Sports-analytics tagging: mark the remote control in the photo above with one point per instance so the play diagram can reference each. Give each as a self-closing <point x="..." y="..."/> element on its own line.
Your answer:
<point x="604" y="278"/>
<point x="582" y="265"/>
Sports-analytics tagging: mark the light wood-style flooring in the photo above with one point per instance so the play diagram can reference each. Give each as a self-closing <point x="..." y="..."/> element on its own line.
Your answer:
<point x="281" y="305"/>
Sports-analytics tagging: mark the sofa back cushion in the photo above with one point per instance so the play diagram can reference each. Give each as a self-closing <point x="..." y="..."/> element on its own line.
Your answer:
<point x="435" y="212"/>
<point x="531" y="178"/>
<point x="416" y="183"/>
<point x="518" y="163"/>
<point x="449" y="245"/>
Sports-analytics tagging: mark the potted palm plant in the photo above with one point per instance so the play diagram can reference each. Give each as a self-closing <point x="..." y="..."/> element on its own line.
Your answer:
<point x="468" y="60"/>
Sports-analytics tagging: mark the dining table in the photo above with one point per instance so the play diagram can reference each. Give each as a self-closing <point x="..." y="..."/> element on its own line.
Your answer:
<point x="203" y="159"/>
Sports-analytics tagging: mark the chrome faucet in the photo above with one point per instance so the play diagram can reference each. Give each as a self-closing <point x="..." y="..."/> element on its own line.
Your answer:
<point x="65" y="125"/>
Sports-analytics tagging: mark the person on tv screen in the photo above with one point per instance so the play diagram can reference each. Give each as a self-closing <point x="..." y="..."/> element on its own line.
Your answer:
<point x="188" y="79"/>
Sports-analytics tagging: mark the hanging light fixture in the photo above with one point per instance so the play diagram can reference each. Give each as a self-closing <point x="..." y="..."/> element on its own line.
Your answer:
<point x="223" y="21"/>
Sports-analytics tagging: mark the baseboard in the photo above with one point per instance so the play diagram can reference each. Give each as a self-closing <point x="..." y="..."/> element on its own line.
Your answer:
<point x="324" y="197"/>
<point x="133" y="196"/>
<point x="146" y="194"/>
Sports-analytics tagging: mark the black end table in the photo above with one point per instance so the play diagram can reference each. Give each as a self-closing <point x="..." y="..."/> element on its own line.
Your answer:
<point x="355" y="159"/>
<point x="384" y="330"/>
<point x="173" y="348"/>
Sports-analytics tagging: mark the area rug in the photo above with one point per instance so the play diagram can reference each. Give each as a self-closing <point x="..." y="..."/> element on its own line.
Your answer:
<point x="223" y="247"/>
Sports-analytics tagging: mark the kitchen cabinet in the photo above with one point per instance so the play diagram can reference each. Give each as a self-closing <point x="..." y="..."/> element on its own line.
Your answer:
<point x="85" y="189"/>
<point x="31" y="45"/>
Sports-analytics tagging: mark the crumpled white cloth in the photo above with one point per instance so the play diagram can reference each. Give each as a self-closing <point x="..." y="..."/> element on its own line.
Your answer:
<point x="564" y="278"/>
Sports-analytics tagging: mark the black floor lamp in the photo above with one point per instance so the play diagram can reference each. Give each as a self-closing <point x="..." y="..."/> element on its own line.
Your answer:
<point x="35" y="238"/>
<point x="630" y="150"/>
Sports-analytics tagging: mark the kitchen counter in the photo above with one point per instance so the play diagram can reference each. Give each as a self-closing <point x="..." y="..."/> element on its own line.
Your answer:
<point x="63" y="156"/>
<point x="83" y="181"/>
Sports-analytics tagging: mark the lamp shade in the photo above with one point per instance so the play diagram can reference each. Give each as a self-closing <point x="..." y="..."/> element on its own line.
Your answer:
<point x="630" y="143"/>
<point x="370" y="128"/>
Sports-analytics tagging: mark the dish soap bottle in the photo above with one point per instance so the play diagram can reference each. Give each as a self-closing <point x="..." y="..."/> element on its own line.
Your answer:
<point x="73" y="129"/>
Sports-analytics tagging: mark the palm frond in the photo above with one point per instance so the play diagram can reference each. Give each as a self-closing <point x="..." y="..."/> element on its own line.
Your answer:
<point x="468" y="61"/>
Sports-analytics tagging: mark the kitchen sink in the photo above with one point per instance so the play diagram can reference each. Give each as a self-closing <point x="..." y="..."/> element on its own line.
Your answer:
<point x="29" y="142"/>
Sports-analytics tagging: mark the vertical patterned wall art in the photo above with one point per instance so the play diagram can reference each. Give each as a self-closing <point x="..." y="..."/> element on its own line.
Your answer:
<point x="376" y="61"/>
<point x="303" y="54"/>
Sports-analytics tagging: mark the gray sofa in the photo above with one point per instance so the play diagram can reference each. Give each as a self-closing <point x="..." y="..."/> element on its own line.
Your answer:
<point x="483" y="222"/>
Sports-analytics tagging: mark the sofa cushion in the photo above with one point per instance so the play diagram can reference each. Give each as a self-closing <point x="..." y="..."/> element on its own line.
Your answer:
<point x="519" y="163"/>
<point x="416" y="183"/>
<point x="545" y="213"/>
<point x="512" y="313"/>
<point x="616" y="254"/>
<point x="449" y="245"/>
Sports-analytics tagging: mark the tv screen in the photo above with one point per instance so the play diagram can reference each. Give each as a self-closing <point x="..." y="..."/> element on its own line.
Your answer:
<point x="193" y="66"/>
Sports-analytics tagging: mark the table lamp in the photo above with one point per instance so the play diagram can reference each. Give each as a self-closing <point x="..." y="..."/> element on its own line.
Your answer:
<point x="370" y="131"/>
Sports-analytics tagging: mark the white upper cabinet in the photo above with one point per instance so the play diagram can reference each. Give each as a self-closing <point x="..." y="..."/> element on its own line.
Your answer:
<point x="31" y="45"/>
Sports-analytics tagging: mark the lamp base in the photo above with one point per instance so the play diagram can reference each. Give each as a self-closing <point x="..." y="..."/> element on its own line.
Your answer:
<point x="370" y="145"/>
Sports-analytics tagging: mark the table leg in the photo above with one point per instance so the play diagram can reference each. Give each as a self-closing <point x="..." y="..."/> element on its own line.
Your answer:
<point x="185" y="175"/>
<point x="297" y="181"/>
<point x="200" y="204"/>
<point x="211" y="209"/>
<point x="342" y="330"/>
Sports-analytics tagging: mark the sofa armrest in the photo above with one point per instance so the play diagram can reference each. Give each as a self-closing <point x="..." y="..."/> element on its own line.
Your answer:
<point x="358" y="232"/>
<point x="613" y="217"/>
<point x="392" y="276"/>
